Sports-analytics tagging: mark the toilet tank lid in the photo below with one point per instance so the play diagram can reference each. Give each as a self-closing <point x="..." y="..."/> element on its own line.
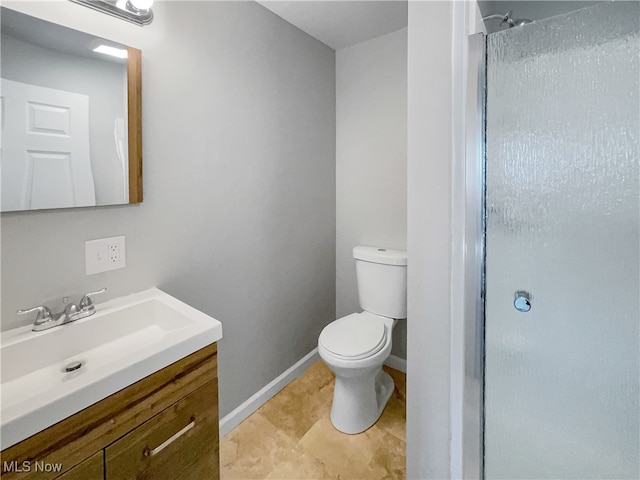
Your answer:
<point x="380" y="255"/>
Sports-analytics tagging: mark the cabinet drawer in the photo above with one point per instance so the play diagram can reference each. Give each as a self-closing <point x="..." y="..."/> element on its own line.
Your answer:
<point x="90" y="469"/>
<point x="181" y="442"/>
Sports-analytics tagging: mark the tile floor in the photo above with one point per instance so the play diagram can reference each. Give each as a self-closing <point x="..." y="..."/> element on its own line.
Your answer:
<point x="291" y="437"/>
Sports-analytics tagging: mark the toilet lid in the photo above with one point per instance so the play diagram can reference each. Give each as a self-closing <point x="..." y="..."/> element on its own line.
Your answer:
<point x="358" y="335"/>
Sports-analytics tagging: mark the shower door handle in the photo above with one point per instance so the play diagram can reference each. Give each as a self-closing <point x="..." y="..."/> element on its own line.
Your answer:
<point x="522" y="301"/>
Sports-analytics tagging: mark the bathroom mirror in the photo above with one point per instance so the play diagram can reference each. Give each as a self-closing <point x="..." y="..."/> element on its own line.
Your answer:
<point x="70" y="116"/>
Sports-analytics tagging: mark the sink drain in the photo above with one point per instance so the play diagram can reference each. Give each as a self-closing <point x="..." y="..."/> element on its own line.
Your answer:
<point x="73" y="366"/>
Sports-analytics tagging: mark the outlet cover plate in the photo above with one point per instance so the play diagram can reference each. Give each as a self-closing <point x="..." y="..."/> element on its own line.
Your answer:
<point x="104" y="254"/>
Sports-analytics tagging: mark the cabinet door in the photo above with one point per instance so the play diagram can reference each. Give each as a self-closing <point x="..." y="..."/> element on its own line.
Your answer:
<point x="180" y="443"/>
<point x="91" y="469"/>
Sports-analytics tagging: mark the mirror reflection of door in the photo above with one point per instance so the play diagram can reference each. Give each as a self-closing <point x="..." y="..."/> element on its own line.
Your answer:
<point x="45" y="151"/>
<point x="46" y="70"/>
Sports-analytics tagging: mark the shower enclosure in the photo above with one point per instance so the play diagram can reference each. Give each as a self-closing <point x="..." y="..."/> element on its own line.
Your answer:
<point x="559" y="304"/>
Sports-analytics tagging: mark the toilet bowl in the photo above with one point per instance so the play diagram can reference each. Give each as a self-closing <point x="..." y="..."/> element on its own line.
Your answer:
<point x="362" y="388"/>
<point x="355" y="347"/>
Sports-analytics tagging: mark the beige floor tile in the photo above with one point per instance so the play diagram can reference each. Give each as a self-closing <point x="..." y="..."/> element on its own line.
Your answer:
<point x="301" y="466"/>
<point x="389" y="457"/>
<point x="291" y="437"/>
<point x="347" y="454"/>
<point x="253" y="449"/>
<point x="371" y="454"/>
<point x="393" y="418"/>
<point x="317" y="374"/>
<point x="298" y="406"/>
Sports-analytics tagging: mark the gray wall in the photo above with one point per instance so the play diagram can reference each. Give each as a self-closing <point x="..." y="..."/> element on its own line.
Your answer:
<point x="104" y="82"/>
<point x="238" y="218"/>
<point x="371" y="159"/>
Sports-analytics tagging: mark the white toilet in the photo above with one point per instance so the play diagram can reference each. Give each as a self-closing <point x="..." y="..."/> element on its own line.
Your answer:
<point x="355" y="347"/>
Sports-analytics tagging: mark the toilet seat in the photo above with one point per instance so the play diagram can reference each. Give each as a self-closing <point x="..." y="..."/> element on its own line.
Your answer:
<point x="354" y="337"/>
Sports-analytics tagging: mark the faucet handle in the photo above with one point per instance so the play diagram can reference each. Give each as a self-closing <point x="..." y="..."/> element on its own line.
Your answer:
<point x="85" y="301"/>
<point x="44" y="314"/>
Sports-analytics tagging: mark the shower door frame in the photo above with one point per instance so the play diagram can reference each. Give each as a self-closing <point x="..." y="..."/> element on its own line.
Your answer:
<point x="474" y="259"/>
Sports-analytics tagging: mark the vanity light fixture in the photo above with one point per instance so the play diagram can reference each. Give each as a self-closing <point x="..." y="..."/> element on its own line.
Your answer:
<point x="141" y="4"/>
<point x="135" y="11"/>
<point x="114" y="52"/>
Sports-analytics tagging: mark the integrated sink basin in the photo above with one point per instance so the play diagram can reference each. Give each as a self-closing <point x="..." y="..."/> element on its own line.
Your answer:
<point x="47" y="376"/>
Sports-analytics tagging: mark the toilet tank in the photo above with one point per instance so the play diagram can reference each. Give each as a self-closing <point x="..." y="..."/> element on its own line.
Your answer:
<point x="382" y="281"/>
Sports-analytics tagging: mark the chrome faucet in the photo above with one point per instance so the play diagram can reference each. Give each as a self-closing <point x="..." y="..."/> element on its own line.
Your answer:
<point x="45" y="319"/>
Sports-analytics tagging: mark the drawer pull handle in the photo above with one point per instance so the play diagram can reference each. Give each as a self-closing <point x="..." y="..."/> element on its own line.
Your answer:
<point x="170" y="440"/>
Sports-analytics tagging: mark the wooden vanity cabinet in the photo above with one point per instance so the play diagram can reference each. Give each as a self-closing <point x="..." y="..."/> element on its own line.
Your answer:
<point x="163" y="427"/>
<point x="91" y="469"/>
<point x="180" y="440"/>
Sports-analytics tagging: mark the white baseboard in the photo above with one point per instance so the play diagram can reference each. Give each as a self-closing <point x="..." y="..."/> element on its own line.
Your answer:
<point x="397" y="363"/>
<point x="233" y="419"/>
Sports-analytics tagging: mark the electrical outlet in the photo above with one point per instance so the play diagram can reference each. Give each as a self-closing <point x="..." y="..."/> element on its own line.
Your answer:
<point x="114" y="253"/>
<point x="104" y="254"/>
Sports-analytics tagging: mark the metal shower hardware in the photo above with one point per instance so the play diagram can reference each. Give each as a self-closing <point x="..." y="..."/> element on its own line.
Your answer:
<point x="507" y="19"/>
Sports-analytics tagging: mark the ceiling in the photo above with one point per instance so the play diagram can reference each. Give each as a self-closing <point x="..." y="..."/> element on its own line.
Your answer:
<point x="340" y="24"/>
<point x="52" y="36"/>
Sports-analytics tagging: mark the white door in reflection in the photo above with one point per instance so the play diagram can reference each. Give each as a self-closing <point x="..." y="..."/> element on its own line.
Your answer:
<point x="45" y="148"/>
<point x="562" y="331"/>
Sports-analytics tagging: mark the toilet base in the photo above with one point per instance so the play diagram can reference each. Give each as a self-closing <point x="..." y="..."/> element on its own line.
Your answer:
<point x="359" y="401"/>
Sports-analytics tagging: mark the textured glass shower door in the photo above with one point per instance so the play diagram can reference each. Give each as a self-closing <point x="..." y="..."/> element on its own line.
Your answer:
<point x="562" y="306"/>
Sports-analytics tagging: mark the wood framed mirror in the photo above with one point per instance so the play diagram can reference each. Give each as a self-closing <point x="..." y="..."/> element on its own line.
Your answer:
<point x="71" y="117"/>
